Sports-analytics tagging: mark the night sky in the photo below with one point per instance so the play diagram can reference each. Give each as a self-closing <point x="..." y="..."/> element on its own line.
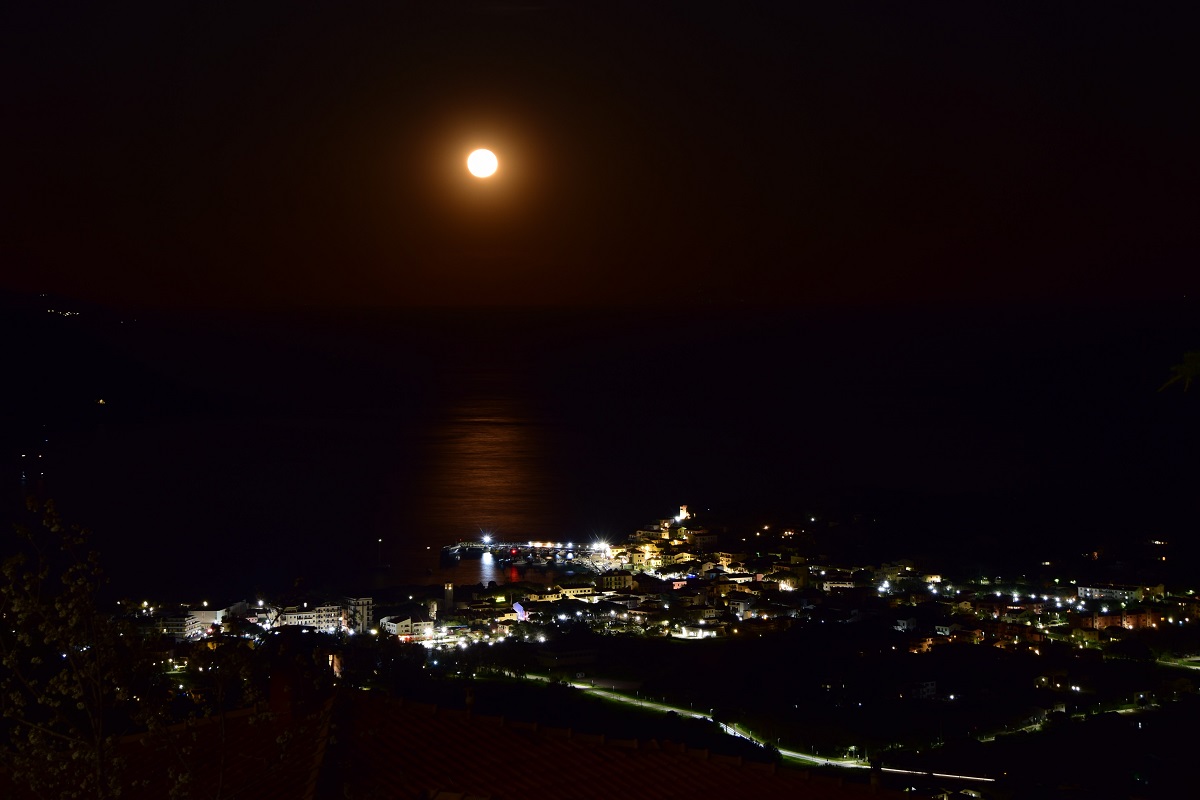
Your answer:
<point x="828" y="155"/>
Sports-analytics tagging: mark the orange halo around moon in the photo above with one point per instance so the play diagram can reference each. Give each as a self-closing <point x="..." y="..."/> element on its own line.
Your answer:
<point x="482" y="163"/>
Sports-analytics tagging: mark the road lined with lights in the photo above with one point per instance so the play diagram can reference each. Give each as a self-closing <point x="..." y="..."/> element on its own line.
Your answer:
<point x="734" y="730"/>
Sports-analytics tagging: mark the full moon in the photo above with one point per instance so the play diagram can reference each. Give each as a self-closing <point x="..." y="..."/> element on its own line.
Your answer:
<point x="482" y="163"/>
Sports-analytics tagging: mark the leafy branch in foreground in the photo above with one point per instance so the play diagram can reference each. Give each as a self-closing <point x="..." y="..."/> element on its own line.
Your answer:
<point x="67" y="671"/>
<point x="1186" y="372"/>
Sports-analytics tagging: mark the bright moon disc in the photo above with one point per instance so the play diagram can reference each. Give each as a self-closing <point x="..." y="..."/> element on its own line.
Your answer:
<point x="482" y="163"/>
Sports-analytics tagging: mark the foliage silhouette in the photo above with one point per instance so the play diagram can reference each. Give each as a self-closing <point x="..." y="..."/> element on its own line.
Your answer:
<point x="72" y="679"/>
<point x="1186" y="371"/>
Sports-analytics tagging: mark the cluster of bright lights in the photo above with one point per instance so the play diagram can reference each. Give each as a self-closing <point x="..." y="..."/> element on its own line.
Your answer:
<point x="568" y="546"/>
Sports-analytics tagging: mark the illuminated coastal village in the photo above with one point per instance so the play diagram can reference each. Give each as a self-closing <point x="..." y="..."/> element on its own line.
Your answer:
<point x="670" y="579"/>
<point x="889" y="675"/>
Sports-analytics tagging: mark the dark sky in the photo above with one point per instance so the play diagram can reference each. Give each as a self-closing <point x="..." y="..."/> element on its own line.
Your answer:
<point x="249" y="154"/>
